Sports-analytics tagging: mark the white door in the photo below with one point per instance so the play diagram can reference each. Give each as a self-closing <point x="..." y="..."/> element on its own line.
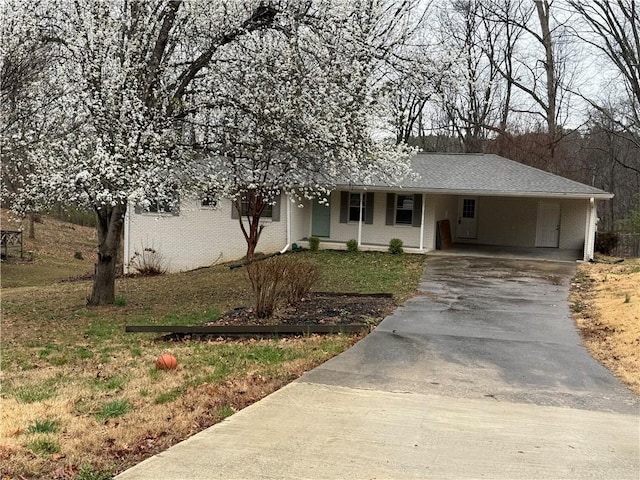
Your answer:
<point x="548" y="229"/>
<point x="467" y="218"/>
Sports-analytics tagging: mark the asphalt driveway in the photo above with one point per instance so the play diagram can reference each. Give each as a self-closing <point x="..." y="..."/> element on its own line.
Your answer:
<point x="480" y="375"/>
<point x="484" y="327"/>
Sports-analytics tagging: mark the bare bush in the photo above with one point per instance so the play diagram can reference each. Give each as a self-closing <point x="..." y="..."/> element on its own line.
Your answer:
<point x="299" y="278"/>
<point x="265" y="277"/>
<point x="279" y="280"/>
<point x="148" y="261"/>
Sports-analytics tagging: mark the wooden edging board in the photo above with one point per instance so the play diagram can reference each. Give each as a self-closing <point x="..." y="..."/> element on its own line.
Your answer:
<point x="248" y="329"/>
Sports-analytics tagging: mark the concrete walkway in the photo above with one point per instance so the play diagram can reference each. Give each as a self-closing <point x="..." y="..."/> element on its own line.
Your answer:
<point x="482" y="375"/>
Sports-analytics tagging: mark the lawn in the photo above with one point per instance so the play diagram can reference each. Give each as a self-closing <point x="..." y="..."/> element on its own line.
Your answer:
<point x="82" y="399"/>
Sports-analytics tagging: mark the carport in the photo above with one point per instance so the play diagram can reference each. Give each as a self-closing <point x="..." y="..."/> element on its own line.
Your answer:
<point x="454" y="200"/>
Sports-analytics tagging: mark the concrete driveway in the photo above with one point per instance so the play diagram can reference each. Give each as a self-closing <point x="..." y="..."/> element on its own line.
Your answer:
<point x="482" y="375"/>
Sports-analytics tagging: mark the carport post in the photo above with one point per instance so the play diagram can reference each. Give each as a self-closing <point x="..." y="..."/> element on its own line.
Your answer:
<point x="590" y="231"/>
<point x="424" y="203"/>
<point x="360" y="220"/>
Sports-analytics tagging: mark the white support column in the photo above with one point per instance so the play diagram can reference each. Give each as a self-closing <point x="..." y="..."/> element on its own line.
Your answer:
<point x="424" y="208"/>
<point x="590" y="231"/>
<point x="360" y="220"/>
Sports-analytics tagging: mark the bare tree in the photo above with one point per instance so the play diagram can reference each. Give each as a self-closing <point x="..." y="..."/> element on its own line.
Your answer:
<point x="613" y="29"/>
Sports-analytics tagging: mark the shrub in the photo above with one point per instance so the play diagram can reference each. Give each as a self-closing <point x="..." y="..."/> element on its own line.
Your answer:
<point x="352" y="245"/>
<point x="314" y="244"/>
<point x="279" y="280"/>
<point x="299" y="278"/>
<point x="148" y="261"/>
<point x="606" y="242"/>
<point x="395" y="246"/>
<point x="265" y="277"/>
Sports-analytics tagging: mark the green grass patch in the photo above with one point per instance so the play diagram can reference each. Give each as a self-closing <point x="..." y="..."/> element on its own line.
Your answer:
<point x="368" y="272"/>
<point x="35" y="393"/>
<point x="167" y="397"/>
<point x="83" y="353"/>
<point x="87" y="472"/>
<point x="108" y="384"/>
<point x="224" y="412"/>
<point x="115" y="408"/>
<point x="43" y="426"/>
<point x="44" y="446"/>
<point x="101" y="329"/>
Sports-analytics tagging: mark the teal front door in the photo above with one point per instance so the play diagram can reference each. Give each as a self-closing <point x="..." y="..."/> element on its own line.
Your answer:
<point x="320" y="220"/>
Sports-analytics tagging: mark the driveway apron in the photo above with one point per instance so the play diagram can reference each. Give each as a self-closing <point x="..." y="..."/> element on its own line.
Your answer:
<point x="480" y="375"/>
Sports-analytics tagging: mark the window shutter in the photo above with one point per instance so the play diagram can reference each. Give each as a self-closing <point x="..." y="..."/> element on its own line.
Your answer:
<point x="369" y="208"/>
<point x="417" y="210"/>
<point x="175" y="207"/>
<point x="344" y="207"/>
<point x="275" y="209"/>
<point x="234" y="210"/>
<point x="391" y="208"/>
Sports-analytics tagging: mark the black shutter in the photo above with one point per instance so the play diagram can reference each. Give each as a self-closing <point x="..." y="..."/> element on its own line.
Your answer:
<point x="368" y="217"/>
<point x="234" y="210"/>
<point x="417" y="210"/>
<point x="275" y="209"/>
<point x="391" y="209"/>
<point x="344" y="207"/>
<point x="175" y="205"/>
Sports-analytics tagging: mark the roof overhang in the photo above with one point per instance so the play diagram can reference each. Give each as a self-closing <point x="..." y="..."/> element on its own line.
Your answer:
<point x="477" y="193"/>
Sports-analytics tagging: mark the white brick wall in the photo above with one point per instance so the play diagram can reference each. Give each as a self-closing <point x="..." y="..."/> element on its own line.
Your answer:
<point x="199" y="236"/>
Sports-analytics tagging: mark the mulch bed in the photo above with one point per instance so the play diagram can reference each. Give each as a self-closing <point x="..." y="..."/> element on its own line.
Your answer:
<point x="320" y="308"/>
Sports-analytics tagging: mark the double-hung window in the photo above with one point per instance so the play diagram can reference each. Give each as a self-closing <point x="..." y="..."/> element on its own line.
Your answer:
<point x="404" y="209"/>
<point x="354" y="207"/>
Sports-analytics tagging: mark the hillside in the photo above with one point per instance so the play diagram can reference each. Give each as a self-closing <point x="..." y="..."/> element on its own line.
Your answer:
<point x="50" y="257"/>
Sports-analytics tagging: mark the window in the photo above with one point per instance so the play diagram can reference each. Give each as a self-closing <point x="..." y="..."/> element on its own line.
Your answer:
<point x="266" y="213"/>
<point x="404" y="209"/>
<point x="270" y="211"/>
<point x="350" y="207"/>
<point x="354" y="207"/>
<point x="469" y="208"/>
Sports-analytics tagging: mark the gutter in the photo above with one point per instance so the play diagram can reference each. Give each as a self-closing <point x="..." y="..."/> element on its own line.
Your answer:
<point x="286" y="247"/>
<point x="478" y="193"/>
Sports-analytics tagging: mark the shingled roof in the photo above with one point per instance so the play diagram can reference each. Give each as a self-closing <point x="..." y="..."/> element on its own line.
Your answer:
<point x="487" y="174"/>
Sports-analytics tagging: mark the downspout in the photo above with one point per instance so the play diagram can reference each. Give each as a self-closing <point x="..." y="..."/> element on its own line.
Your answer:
<point x="360" y="221"/>
<point x="286" y="247"/>
<point x="424" y="203"/>
<point x="127" y="240"/>
<point x="590" y="231"/>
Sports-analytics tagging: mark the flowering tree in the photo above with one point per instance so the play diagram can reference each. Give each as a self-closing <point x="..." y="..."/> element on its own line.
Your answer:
<point x="293" y="107"/>
<point x="277" y="95"/>
<point x="128" y="67"/>
<point x="29" y="97"/>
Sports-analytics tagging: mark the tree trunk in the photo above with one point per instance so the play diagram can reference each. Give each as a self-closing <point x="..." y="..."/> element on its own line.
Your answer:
<point x="110" y="224"/>
<point x="32" y="226"/>
<point x="550" y="70"/>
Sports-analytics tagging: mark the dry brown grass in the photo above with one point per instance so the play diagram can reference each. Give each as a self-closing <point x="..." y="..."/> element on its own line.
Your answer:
<point x="606" y="305"/>
<point x="65" y="363"/>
